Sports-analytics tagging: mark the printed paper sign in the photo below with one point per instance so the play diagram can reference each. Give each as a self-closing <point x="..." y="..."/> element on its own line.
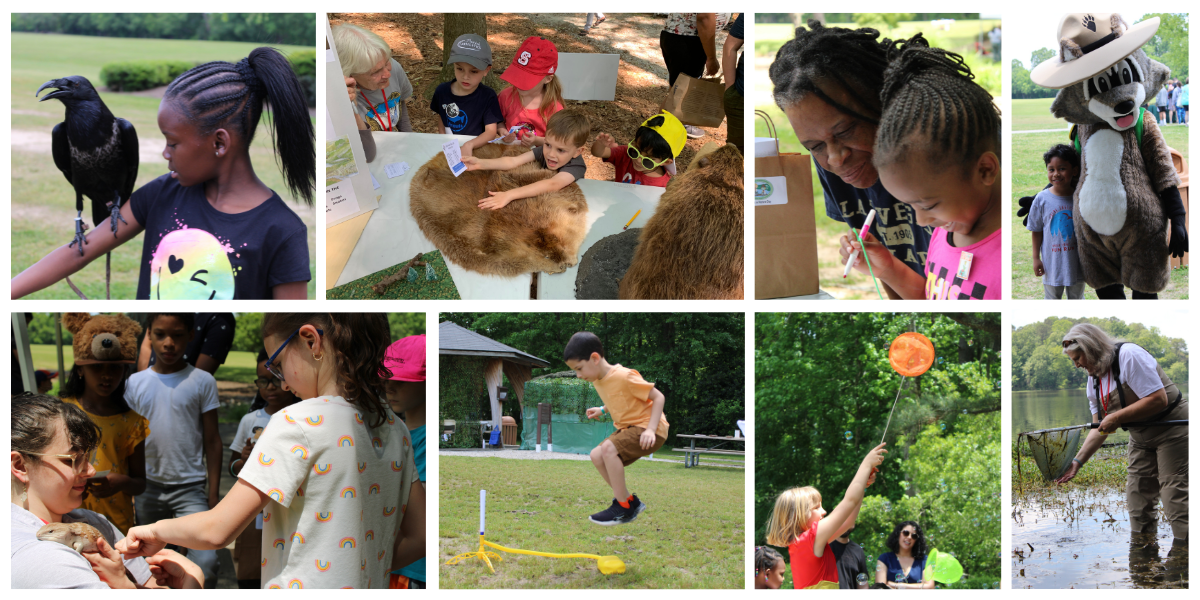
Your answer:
<point x="454" y="157"/>
<point x="770" y="190"/>
<point x="396" y="169"/>
<point x="340" y="201"/>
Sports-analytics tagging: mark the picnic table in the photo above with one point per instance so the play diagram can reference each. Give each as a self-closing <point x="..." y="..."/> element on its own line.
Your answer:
<point x="692" y="453"/>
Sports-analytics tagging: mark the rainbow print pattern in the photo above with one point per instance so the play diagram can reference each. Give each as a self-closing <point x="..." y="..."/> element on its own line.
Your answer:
<point x="324" y="516"/>
<point x="347" y="542"/>
<point x="358" y="418"/>
<point x="300" y="451"/>
<point x="295" y="584"/>
<point x="362" y="467"/>
<point x="374" y="489"/>
<point x="391" y="419"/>
<point x="370" y="534"/>
<point x="264" y="562"/>
<point x="406" y="442"/>
<point x="298" y="537"/>
<point x="289" y="419"/>
<point x="381" y="553"/>
<point x="322" y="469"/>
<point x="264" y="461"/>
<point x="348" y="492"/>
<point x="275" y="494"/>
<point x="346" y="441"/>
<point x="310" y="421"/>
<point x="364" y="564"/>
<point x="377" y="443"/>
<point x="273" y="587"/>
<point x="278" y="543"/>
<point x="322" y="565"/>
<point x="397" y="466"/>
<point x="266" y="517"/>
<point x="387" y="512"/>
<point x="299" y="491"/>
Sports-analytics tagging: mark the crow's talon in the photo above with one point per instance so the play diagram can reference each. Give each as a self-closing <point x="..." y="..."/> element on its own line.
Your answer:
<point x="114" y="216"/>
<point x="79" y="237"/>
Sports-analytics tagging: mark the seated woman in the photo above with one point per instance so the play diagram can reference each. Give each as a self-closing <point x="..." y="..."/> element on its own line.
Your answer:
<point x="52" y="444"/>
<point x="377" y="85"/>
<point x="903" y="567"/>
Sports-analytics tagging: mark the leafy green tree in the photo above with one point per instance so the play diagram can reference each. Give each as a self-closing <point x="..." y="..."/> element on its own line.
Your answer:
<point x="247" y="333"/>
<point x="1039" y="364"/>
<point x="889" y="20"/>
<point x="1170" y="43"/>
<point x="1039" y="56"/>
<point x="405" y="324"/>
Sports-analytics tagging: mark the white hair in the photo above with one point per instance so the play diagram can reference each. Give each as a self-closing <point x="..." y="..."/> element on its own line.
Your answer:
<point x="1095" y="345"/>
<point x="359" y="50"/>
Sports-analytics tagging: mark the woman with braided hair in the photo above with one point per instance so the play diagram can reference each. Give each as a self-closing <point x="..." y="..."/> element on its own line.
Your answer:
<point x="937" y="149"/>
<point x="214" y="230"/>
<point x="827" y="81"/>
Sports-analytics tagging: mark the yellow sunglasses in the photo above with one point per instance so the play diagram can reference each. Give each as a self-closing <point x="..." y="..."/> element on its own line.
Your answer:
<point x="647" y="162"/>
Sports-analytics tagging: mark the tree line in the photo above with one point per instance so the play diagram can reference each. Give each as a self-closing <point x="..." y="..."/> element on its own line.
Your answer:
<point x="298" y="29"/>
<point x="1039" y="364"/>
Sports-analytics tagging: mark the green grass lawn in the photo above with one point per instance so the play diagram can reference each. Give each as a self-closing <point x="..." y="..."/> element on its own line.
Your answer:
<point x="1028" y="115"/>
<point x="691" y="535"/>
<point x="1029" y="177"/>
<point x="768" y="37"/>
<point x="43" y="205"/>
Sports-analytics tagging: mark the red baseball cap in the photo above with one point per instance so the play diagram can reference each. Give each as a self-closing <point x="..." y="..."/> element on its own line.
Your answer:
<point x="405" y="358"/>
<point x="535" y="59"/>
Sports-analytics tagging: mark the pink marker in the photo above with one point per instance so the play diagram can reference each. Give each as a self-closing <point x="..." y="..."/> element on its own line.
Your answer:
<point x="854" y="255"/>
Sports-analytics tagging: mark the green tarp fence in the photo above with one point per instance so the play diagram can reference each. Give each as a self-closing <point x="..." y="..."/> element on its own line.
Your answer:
<point x="569" y="400"/>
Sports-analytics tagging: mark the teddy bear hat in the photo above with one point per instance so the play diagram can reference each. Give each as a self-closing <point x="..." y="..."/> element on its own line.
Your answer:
<point x="103" y="338"/>
<point x="1089" y="43"/>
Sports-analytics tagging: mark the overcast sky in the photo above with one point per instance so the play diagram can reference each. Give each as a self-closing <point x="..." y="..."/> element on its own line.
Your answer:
<point x="1169" y="316"/>
<point x="1023" y="36"/>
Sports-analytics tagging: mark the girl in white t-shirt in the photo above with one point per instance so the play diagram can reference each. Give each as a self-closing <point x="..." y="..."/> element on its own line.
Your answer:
<point x="332" y="474"/>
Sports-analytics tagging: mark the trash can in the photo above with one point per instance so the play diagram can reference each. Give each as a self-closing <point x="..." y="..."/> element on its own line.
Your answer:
<point x="508" y="431"/>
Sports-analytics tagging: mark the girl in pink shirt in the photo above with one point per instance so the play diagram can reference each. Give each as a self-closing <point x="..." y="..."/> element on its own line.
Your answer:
<point x="535" y="94"/>
<point x="937" y="149"/>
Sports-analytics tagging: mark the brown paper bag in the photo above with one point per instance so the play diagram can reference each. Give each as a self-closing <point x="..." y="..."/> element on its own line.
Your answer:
<point x="696" y="101"/>
<point x="785" y="235"/>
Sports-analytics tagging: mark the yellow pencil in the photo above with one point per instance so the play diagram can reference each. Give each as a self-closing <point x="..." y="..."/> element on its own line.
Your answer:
<point x="631" y="220"/>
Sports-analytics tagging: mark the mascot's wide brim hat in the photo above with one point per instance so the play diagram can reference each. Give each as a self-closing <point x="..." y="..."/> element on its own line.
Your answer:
<point x="1089" y="44"/>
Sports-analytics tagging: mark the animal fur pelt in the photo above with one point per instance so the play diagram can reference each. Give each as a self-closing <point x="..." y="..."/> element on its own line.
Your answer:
<point x="1120" y="222"/>
<point x="692" y="248"/>
<point x="542" y="233"/>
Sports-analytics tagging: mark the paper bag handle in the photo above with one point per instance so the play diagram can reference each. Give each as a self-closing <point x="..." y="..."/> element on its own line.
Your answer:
<point x="770" y="127"/>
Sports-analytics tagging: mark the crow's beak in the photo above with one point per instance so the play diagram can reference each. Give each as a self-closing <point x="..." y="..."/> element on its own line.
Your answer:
<point x="53" y="83"/>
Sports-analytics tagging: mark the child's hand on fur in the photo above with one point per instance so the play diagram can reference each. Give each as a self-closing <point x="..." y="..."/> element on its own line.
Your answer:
<point x="595" y="412"/>
<point x="1039" y="269"/>
<point x="497" y="201"/>
<point x="471" y="162"/>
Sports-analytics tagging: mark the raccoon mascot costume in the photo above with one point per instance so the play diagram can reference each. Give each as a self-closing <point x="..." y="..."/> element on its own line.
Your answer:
<point x="1128" y="189"/>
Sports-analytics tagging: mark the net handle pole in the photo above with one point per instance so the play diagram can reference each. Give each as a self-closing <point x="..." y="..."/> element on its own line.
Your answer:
<point x="903" y="379"/>
<point x="482" y="510"/>
<point x="1096" y="425"/>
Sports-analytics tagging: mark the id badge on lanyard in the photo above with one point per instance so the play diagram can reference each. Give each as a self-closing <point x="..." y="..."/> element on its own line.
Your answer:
<point x="386" y="109"/>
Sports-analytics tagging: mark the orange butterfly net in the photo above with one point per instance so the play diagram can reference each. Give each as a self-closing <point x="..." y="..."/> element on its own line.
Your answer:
<point x="911" y="354"/>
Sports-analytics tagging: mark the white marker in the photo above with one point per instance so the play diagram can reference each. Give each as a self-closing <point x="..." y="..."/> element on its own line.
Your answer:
<point x="854" y="255"/>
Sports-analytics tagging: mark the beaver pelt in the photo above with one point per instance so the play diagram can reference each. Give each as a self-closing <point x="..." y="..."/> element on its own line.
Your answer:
<point x="542" y="233"/>
<point x="692" y="248"/>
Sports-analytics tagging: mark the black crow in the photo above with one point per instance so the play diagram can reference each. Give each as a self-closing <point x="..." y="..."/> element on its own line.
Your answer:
<point x="96" y="151"/>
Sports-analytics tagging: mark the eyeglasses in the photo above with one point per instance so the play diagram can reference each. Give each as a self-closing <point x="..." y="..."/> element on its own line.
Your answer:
<point x="647" y="162"/>
<point x="266" y="382"/>
<point x="1067" y="343"/>
<point x="79" y="462"/>
<point x="270" y="365"/>
<point x="907" y="533"/>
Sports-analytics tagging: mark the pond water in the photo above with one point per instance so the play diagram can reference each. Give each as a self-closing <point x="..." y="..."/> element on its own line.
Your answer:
<point x="1046" y="409"/>
<point x="1081" y="539"/>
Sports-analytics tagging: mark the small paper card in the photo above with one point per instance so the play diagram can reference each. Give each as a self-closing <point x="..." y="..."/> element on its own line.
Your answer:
<point x="374" y="182"/>
<point x="340" y="201"/>
<point x="454" y="157"/>
<point x="770" y="190"/>
<point x="964" y="265"/>
<point x="396" y="169"/>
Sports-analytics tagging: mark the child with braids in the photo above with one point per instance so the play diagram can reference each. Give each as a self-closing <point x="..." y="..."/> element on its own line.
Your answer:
<point x="214" y="230"/>
<point x="332" y="474"/>
<point x="768" y="568"/>
<point x="938" y="150"/>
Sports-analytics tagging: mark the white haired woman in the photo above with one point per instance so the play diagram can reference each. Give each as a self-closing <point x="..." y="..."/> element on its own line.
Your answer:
<point x="375" y="82"/>
<point x="1126" y="385"/>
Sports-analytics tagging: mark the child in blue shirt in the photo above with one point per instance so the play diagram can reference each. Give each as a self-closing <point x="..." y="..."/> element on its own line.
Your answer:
<point x="1055" y="255"/>
<point x="466" y="106"/>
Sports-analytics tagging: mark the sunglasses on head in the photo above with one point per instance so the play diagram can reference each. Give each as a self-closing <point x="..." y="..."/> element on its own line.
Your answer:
<point x="647" y="162"/>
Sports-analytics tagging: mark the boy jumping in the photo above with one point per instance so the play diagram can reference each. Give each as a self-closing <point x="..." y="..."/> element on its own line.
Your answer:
<point x="637" y="412"/>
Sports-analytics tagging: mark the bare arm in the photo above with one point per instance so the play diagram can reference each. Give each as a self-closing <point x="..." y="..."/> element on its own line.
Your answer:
<point x="602" y="146"/>
<point x="144" y="353"/>
<point x="1037" y="245"/>
<point x="207" y="364"/>
<point x="828" y="528"/>
<point x="903" y="280"/>
<point x="65" y="260"/>
<point x="706" y="30"/>
<point x="880" y="572"/>
<point x="489" y="134"/>
<point x="504" y="163"/>
<point x="501" y="199"/>
<point x="295" y="290"/>
<point x="729" y="57"/>
<point x="1144" y="408"/>
<point x="410" y="544"/>
<point x="209" y="530"/>
<point x="212" y="456"/>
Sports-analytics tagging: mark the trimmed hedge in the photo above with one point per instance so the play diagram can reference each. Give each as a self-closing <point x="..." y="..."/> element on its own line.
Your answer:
<point x="304" y="63"/>
<point x="140" y="75"/>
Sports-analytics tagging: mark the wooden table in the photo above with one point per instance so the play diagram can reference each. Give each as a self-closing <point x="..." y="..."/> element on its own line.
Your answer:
<point x="692" y="453"/>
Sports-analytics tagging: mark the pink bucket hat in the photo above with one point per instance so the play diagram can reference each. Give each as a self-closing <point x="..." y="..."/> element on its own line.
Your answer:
<point x="405" y="358"/>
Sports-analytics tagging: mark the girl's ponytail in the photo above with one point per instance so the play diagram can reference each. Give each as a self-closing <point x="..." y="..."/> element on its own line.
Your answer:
<point x="551" y="98"/>
<point x="294" y="138"/>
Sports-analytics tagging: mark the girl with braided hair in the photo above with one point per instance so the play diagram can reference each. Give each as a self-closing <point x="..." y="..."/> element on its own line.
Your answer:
<point x="937" y="149"/>
<point x="214" y="230"/>
<point x="827" y="81"/>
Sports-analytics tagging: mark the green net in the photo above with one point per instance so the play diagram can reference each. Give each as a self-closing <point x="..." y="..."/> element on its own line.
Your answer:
<point x="462" y="398"/>
<point x="569" y="400"/>
<point x="1053" y="450"/>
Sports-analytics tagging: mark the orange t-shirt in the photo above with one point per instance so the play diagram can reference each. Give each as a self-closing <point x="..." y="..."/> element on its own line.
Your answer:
<point x="627" y="397"/>
<point x="807" y="569"/>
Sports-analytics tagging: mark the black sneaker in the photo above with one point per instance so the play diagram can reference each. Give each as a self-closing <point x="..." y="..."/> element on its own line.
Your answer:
<point x="613" y="515"/>
<point x="636" y="506"/>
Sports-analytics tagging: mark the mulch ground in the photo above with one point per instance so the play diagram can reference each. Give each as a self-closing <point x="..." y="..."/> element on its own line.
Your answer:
<point x="416" y="42"/>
